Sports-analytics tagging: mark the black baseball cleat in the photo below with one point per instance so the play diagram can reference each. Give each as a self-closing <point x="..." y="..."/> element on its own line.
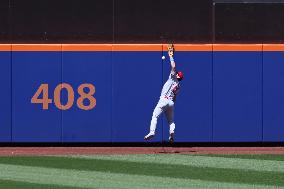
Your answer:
<point x="149" y="136"/>
<point x="171" y="138"/>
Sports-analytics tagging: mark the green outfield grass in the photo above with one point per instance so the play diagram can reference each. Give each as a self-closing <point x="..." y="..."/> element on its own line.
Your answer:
<point x="143" y="171"/>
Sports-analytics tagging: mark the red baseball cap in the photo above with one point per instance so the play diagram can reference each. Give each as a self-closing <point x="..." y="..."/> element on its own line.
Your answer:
<point x="180" y="74"/>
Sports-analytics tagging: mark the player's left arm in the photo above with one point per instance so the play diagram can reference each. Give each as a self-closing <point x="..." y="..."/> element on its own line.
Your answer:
<point x="173" y="64"/>
<point x="171" y="55"/>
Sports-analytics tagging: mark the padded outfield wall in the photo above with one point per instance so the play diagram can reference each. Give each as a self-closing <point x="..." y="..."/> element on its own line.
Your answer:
<point x="107" y="92"/>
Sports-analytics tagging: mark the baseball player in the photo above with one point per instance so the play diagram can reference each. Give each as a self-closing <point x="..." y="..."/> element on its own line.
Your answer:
<point x="167" y="99"/>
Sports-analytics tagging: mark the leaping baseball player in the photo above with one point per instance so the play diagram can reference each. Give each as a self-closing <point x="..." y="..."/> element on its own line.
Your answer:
<point x="167" y="99"/>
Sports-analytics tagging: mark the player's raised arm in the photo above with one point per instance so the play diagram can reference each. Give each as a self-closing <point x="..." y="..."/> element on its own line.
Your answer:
<point x="171" y="55"/>
<point x="173" y="64"/>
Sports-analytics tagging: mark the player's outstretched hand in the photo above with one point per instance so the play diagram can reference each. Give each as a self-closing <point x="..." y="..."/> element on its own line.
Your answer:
<point x="171" y="50"/>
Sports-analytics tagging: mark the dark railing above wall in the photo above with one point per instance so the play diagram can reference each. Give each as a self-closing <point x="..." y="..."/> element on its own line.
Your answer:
<point x="145" y="21"/>
<point x="252" y="22"/>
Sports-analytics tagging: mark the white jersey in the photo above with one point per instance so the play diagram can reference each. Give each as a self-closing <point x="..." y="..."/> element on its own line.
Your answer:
<point x="171" y="87"/>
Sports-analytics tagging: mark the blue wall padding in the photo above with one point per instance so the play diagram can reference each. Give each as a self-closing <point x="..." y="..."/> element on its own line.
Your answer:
<point x="193" y="107"/>
<point x="93" y="125"/>
<point x="273" y="96"/>
<point x="237" y="96"/>
<point x="136" y="85"/>
<point x="30" y="122"/>
<point x="5" y="96"/>
<point x="225" y="96"/>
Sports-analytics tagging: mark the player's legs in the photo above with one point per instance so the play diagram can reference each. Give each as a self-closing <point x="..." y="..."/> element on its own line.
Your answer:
<point x="159" y="109"/>
<point x="170" y="117"/>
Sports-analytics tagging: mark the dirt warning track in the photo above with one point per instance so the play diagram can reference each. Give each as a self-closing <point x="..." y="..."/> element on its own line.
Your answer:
<point x="11" y="151"/>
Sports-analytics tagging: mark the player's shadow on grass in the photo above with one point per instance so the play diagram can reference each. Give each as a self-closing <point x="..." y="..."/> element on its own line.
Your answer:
<point x="175" y="151"/>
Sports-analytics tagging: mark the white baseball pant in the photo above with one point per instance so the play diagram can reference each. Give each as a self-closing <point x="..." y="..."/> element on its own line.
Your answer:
<point x="167" y="106"/>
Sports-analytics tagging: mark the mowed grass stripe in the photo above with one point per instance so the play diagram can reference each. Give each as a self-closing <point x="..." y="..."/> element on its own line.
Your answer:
<point x="198" y="161"/>
<point x="273" y="157"/>
<point x="10" y="184"/>
<point x="93" y="179"/>
<point x="152" y="169"/>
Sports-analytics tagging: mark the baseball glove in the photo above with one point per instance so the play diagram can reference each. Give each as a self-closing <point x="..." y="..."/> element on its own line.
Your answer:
<point x="171" y="49"/>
